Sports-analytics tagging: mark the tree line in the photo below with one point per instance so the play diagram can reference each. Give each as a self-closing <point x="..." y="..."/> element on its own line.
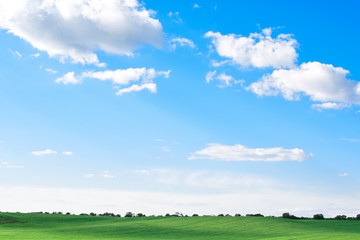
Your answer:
<point x="318" y="216"/>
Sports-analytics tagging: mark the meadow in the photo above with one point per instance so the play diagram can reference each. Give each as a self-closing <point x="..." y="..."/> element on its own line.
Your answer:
<point x="55" y="226"/>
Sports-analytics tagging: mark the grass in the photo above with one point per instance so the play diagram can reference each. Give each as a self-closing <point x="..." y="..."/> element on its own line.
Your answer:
<point x="47" y="227"/>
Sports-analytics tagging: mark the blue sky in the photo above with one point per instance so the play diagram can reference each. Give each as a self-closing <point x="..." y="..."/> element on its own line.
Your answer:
<point x="191" y="106"/>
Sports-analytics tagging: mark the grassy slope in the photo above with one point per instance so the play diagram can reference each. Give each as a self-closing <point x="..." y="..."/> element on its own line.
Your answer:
<point x="48" y="227"/>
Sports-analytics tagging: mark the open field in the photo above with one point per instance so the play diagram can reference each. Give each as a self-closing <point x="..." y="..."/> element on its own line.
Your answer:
<point x="47" y="227"/>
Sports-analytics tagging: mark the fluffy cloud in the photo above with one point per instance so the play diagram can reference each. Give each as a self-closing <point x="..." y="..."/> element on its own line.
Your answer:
<point x="76" y="28"/>
<point x="45" y="152"/>
<point x="120" y="77"/>
<point x="224" y="79"/>
<point x="242" y="153"/>
<point x="259" y="50"/>
<point x="182" y="42"/>
<point x="323" y="83"/>
<point x="68" y="78"/>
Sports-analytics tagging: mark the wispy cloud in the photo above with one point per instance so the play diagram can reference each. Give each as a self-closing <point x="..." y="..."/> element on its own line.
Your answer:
<point x="242" y="153"/>
<point x="7" y="165"/>
<point x="175" y="16"/>
<point x="44" y="152"/>
<point x="108" y="175"/>
<point x="120" y="77"/>
<point x="49" y="70"/>
<point x="182" y="42"/>
<point x="224" y="79"/>
<point x="353" y="140"/>
<point x="67" y="153"/>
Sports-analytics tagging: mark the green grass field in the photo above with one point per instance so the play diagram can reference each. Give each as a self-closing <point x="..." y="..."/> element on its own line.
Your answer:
<point x="47" y="227"/>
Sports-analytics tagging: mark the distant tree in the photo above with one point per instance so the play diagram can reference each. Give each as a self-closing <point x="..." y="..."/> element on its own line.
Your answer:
<point x="118" y="215"/>
<point x="221" y="215"/>
<point x="255" y="215"/>
<point x="340" y="217"/>
<point x="238" y="215"/>
<point x="358" y="217"/>
<point x="167" y="215"/>
<point x="129" y="214"/>
<point x="318" y="216"/>
<point x="286" y="215"/>
<point x="140" y="215"/>
<point x="195" y="215"/>
<point x="92" y="214"/>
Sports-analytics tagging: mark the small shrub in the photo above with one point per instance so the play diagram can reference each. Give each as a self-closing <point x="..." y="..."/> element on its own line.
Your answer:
<point x="129" y="214"/>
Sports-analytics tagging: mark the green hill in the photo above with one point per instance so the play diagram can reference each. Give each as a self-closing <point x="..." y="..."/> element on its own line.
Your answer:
<point x="48" y="226"/>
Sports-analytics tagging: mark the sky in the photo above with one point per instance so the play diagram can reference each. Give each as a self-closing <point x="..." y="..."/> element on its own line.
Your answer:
<point x="200" y="107"/>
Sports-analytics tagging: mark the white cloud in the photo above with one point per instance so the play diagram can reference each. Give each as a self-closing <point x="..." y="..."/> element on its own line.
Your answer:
<point x="13" y="166"/>
<point x="68" y="78"/>
<point x="175" y="16"/>
<point x="142" y="171"/>
<point x="323" y="83"/>
<point x="7" y="165"/>
<point x="219" y="64"/>
<point x="107" y="175"/>
<point x="137" y="88"/>
<point x="330" y="105"/>
<point x="49" y="70"/>
<point x="67" y="153"/>
<point x="196" y="5"/>
<point x="259" y="50"/>
<point x="343" y="174"/>
<point x="182" y="42"/>
<point x="125" y="76"/>
<point x="242" y="153"/>
<point x="45" y="152"/>
<point x="165" y="149"/>
<point x="210" y="76"/>
<point x="159" y="140"/>
<point x="35" y="55"/>
<point x="120" y="77"/>
<point x="224" y="79"/>
<point x="18" y="54"/>
<point x="76" y="28"/>
<point x="89" y="175"/>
